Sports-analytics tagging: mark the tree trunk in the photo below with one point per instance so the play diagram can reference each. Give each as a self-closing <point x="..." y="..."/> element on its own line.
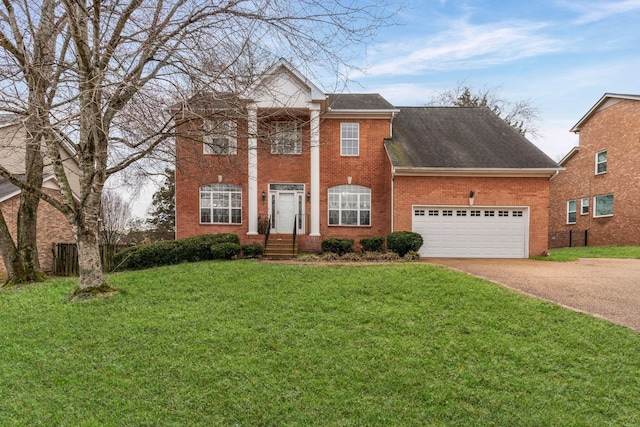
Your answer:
<point x="8" y="251"/>
<point x="92" y="280"/>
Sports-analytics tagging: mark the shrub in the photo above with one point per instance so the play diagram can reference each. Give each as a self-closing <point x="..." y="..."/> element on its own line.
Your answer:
<point x="329" y="256"/>
<point x="389" y="256"/>
<point x="412" y="256"/>
<point x="372" y="244"/>
<point x="350" y="256"/>
<point x="225" y="250"/>
<point x="402" y="242"/>
<point x="171" y="251"/>
<point x="337" y="246"/>
<point x="252" y="251"/>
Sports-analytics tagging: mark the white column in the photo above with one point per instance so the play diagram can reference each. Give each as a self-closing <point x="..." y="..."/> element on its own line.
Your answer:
<point x="315" y="170"/>
<point x="253" y="169"/>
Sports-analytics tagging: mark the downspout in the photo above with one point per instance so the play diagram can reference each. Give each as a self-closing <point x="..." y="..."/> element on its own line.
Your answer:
<point x="393" y="196"/>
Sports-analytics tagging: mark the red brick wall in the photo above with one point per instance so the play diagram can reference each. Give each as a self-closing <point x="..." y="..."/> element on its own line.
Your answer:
<point x="371" y="169"/>
<point x="616" y="130"/>
<point x="531" y="192"/>
<point x="52" y="228"/>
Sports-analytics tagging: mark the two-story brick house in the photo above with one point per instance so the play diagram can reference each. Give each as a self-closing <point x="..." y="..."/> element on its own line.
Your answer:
<point x="289" y="158"/>
<point x="600" y="185"/>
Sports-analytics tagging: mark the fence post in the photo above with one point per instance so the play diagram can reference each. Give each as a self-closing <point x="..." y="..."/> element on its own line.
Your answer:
<point x="570" y="238"/>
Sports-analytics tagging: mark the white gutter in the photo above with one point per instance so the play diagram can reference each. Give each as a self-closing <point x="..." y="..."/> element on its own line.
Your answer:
<point x="486" y="172"/>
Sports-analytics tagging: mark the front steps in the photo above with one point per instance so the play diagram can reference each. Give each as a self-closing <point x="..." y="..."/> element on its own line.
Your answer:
<point x="281" y="249"/>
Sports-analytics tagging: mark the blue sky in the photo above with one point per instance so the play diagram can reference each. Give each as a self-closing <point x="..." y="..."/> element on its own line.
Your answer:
<point x="562" y="55"/>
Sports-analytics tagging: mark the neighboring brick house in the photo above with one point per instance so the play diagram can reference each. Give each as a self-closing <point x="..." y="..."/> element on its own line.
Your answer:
<point x="600" y="185"/>
<point x="355" y="166"/>
<point x="52" y="226"/>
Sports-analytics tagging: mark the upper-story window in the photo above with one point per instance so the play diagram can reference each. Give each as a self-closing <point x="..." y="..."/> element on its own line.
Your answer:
<point x="349" y="139"/>
<point x="286" y="138"/>
<point x="349" y="205"/>
<point x="601" y="162"/>
<point x="219" y="137"/>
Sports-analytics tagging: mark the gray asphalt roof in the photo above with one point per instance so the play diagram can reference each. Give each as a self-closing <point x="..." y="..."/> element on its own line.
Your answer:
<point x="459" y="137"/>
<point x="358" y="101"/>
<point x="7" y="188"/>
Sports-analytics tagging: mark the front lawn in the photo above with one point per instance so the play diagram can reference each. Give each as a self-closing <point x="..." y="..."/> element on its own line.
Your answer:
<point x="573" y="254"/>
<point x="249" y="343"/>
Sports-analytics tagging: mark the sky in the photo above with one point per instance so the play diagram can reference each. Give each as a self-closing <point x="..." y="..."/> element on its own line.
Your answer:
<point x="561" y="55"/>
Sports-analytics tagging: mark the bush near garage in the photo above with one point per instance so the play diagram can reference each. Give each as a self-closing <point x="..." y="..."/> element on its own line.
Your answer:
<point x="402" y="242"/>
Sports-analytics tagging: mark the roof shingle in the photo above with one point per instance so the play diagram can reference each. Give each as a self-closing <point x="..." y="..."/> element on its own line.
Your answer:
<point x="459" y="137"/>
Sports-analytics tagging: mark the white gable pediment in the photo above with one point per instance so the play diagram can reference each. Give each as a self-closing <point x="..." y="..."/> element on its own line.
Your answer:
<point x="285" y="87"/>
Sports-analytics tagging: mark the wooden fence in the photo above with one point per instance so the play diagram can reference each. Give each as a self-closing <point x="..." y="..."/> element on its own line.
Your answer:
<point x="65" y="258"/>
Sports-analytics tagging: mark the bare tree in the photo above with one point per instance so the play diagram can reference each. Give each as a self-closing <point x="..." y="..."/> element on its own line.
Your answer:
<point x="115" y="213"/>
<point x="521" y="115"/>
<point x="116" y="67"/>
<point x="37" y="73"/>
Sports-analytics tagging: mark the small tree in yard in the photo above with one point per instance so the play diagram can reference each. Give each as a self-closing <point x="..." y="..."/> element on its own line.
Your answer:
<point x="163" y="205"/>
<point x="99" y="78"/>
<point x="115" y="213"/>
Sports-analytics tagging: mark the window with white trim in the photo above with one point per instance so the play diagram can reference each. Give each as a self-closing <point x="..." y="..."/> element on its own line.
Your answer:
<point x="286" y="138"/>
<point x="349" y="139"/>
<point x="584" y="206"/>
<point x="601" y="162"/>
<point x="603" y="205"/>
<point x="571" y="212"/>
<point x="219" y="137"/>
<point x="220" y="204"/>
<point x="350" y="205"/>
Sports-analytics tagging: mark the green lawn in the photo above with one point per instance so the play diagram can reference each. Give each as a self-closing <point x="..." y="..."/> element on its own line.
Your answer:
<point x="245" y="343"/>
<point x="573" y="254"/>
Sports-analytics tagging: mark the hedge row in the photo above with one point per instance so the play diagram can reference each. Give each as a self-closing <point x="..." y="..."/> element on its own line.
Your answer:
<point x="208" y="247"/>
<point x="399" y="242"/>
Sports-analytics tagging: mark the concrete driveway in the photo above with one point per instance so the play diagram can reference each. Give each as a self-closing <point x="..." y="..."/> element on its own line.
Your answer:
<point x="607" y="288"/>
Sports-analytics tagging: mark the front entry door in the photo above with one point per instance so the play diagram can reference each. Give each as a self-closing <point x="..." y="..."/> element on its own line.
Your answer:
<point x="286" y="201"/>
<point x="285" y="212"/>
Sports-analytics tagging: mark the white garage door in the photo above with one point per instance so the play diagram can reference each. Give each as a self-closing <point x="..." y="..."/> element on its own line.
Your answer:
<point x="469" y="232"/>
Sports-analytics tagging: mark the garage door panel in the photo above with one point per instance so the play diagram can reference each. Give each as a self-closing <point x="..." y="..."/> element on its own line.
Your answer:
<point x="473" y="232"/>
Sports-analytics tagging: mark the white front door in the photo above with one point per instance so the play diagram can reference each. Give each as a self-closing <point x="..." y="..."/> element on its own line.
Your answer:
<point x="285" y="212"/>
<point x="286" y="201"/>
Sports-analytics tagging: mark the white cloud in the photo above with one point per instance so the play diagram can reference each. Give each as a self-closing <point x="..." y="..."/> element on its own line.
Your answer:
<point x="463" y="46"/>
<point x="597" y="11"/>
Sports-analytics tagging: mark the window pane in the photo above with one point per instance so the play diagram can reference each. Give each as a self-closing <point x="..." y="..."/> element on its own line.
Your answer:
<point x="236" y="200"/>
<point x="604" y="205"/>
<point x="364" y="217"/>
<point x="221" y="215"/>
<point x="219" y="200"/>
<point x="205" y="215"/>
<point x="205" y="199"/>
<point x="349" y="201"/>
<point x="601" y="162"/>
<point x="236" y="216"/>
<point x="349" y="217"/>
<point x="334" y="217"/>
<point x="572" y="217"/>
<point x="334" y="201"/>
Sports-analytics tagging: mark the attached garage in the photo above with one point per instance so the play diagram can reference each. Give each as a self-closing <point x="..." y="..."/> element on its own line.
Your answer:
<point x="472" y="232"/>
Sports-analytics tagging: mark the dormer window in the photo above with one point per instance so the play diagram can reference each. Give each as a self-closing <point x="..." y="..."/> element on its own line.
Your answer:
<point x="601" y="162"/>
<point x="286" y="138"/>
